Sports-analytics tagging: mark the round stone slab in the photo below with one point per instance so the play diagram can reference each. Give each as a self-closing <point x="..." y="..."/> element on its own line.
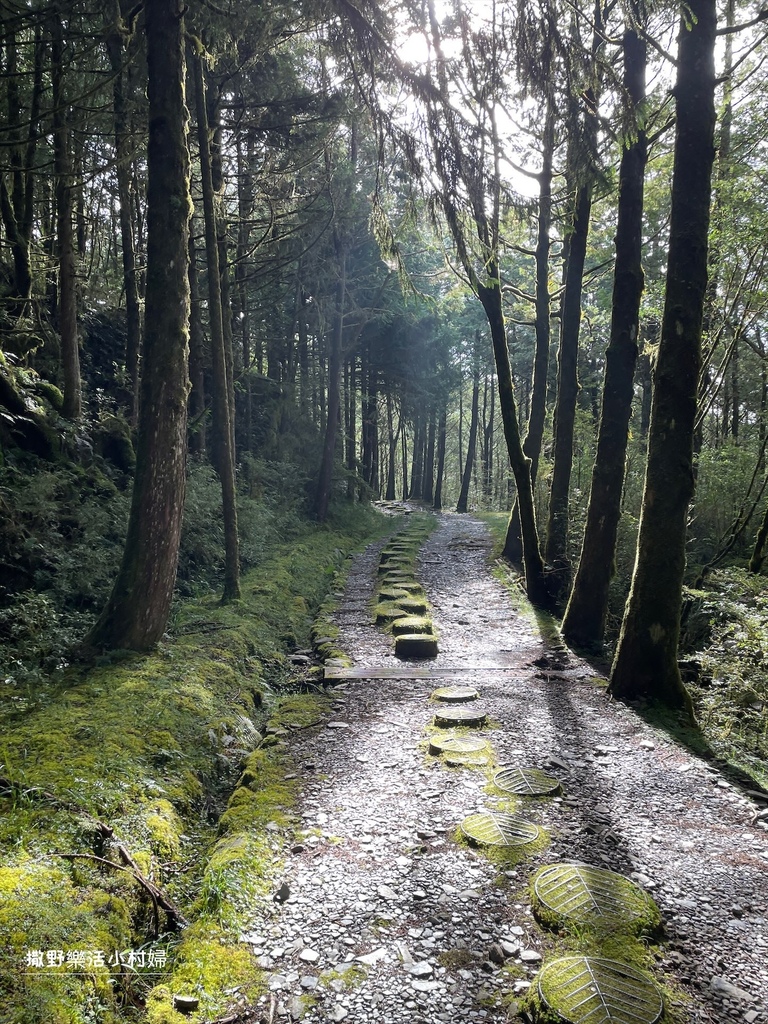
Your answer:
<point x="455" y="694"/>
<point x="416" y="645"/>
<point x="495" y="828"/>
<point x="591" y="990"/>
<point x="526" y="782"/>
<point x="411" y="624"/>
<point x="457" y="745"/>
<point x="450" y="717"/>
<point x="582" y="893"/>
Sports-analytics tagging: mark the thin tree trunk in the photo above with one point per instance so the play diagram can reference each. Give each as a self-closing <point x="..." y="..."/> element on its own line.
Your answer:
<point x="325" y="479"/>
<point x="429" y="460"/>
<point x="137" y="612"/>
<point x="466" y="478"/>
<point x="389" y="494"/>
<point x="585" y="615"/>
<point x="114" y="42"/>
<point x="197" y="411"/>
<point x="513" y="545"/>
<point x="440" y="472"/>
<point x="224" y="460"/>
<point x="556" y="549"/>
<point x="646" y="658"/>
<point x="65" y="240"/>
<point x="404" y="452"/>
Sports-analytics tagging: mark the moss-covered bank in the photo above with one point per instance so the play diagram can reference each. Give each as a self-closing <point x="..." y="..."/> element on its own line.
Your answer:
<point x="157" y="778"/>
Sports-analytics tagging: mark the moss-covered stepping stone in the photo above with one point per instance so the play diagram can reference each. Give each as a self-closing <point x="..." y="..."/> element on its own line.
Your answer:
<point x="526" y="781"/>
<point x="400" y="555"/>
<point x="400" y="563"/>
<point x="587" y="895"/>
<point x="450" y="717"/>
<point x="402" y="582"/>
<point x="388" y="611"/>
<point x="411" y="624"/>
<point x="463" y="745"/>
<point x="389" y="594"/>
<point x="455" y="694"/>
<point x="592" y="990"/>
<point x="497" y="828"/>
<point x="413" y="605"/>
<point x="416" y="645"/>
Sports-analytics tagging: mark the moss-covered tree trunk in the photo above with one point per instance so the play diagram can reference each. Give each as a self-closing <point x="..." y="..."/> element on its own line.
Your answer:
<point x="223" y="411"/>
<point x="65" y="236"/>
<point x="137" y="612"/>
<point x="585" y="614"/>
<point x="197" y="407"/>
<point x="513" y="544"/>
<point x="392" y="439"/>
<point x="646" y="658"/>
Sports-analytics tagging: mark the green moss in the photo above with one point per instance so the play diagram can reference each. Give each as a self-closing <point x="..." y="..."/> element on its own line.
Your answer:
<point x="148" y="745"/>
<point x="388" y="612"/>
<point x="412" y="624"/>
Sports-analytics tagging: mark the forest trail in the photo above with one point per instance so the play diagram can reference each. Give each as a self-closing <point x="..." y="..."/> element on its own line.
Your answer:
<point x="389" y="919"/>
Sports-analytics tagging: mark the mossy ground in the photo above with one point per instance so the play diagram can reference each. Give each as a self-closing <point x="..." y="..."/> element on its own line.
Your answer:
<point x="166" y="751"/>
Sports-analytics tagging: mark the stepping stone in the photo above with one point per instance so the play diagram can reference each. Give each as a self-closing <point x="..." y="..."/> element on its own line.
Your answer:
<point x="413" y="605"/>
<point x="388" y="611"/>
<point x="411" y="624"/>
<point x="450" y="717"/>
<point x="495" y="828"/>
<point x="400" y="563"/>
<point x="394" y="556"/>
<point x="597" y="896"/>
<point x="526" y="782"/>
<point x="457" y="745"/>
<point x="402" y="582"/>
<point x="392" y="594"/>
<point x="583" y="989"/>
<point x="455" y="694"/>
<point x="416" y="645"/>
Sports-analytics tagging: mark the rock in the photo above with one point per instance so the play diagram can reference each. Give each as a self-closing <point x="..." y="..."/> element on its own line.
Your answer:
<point x="497" y="955"/>
<point x="529" y="956"/>
<point x="386" y="893"/>
<point x="185" y="1004"/>
<point x="282" y="893"/>
<point x="309" y="956"/>
<point x="373" y="957"/>
<point x="309" y="982"/>
<point x="338" y="1012"/>
<point x="720" y="986"/>
<point x="420" y="970"/>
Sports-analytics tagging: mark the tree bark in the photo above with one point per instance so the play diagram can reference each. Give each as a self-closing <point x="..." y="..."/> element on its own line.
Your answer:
<point x="585" y="615"/>
<point x="325" y="479"/>
<point x="223" y="413"/>
<point x="646" y="658"/>
<point x="137" y="612"/>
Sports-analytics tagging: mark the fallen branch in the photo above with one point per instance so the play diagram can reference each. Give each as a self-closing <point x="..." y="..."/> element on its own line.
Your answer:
<point x="159" y="899"/>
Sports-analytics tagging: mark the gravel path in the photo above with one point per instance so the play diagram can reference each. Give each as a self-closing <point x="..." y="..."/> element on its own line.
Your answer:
<point x="389" y="919"/>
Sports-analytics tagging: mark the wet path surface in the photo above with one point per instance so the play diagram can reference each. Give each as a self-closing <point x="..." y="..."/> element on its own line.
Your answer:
<point x="389" y="919"/>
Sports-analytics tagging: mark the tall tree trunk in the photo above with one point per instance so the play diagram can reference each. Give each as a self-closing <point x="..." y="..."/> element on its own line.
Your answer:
<point x="325" y="479"/>
<point x="417" y="465"/>
<point x="65" y="240"/>
<point x="404" y="453"/>
<point x="137" y="612"/>
<point x="429" y="460"/>
<point x="466" y="477"/>
<point x="513" y="545"/>
<point x="440" y="472"/>
<point x="114" y="42"/>
<point x="646" y="658"/>
<point x="223" y="433"/>
<point x="389" y="494"/>
<point x="585" y="615"/>
<point x="556" y="549"/>
<point x="535" y="581"/>
<point x="197" y="409"/>
<point x="488" y="444"/>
